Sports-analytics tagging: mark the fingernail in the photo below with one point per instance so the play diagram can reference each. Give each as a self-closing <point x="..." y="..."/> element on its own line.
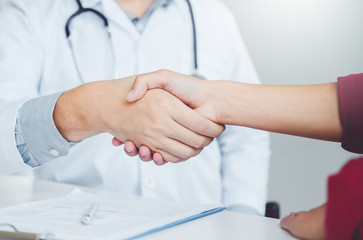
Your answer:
<point x="128" y="150"/>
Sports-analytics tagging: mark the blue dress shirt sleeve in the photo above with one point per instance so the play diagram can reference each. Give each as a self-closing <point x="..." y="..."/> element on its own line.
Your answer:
<point x="37" y="137"/>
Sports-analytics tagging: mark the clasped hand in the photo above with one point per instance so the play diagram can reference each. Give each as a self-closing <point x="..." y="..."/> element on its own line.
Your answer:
<point x="196" y="93"/>
<point x="159" y="120"/>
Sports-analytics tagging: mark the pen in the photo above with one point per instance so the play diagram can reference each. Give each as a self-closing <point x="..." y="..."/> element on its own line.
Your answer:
<point x="88" y="217"/>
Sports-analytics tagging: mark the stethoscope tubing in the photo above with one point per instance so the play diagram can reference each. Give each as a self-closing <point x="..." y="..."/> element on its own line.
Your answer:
<point x="81" y="10"/>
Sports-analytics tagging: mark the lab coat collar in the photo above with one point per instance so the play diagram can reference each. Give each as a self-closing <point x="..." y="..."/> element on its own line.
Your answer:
<point x="114" y="12"/>
<point x="93" y="3"/>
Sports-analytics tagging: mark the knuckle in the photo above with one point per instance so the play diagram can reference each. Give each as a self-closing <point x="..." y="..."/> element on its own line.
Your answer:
<point x="139" y="79"/>
<point x="203" y="128"/>
<point x="200" y="143"/>
<point x="188" y="153"/>
<point x="196" y="152"/>
<point x="163" y="71"/>
<point x="206" y="142"/>
<point x="221" y="130"/>
<point x="163" y="103"/>
<point x="158" y="126"/>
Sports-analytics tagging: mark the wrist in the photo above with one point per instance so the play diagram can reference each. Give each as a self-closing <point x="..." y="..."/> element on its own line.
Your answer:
<point x="231" y="101"/>
<point x="216" y="94"/>
<point x="75" y="114"/>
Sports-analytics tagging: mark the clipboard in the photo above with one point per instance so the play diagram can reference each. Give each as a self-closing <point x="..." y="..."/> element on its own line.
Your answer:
<point x="179" y="222"/>
<point x="106" y="225"/>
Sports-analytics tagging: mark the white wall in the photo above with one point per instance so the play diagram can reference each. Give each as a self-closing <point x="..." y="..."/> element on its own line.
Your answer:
<point x="302" y="42"/>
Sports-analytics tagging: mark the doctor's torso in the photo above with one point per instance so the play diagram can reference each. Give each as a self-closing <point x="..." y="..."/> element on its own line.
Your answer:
<point x="166" y="42"/>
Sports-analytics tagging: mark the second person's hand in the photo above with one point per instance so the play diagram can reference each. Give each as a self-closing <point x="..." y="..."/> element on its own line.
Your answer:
<point x="196" y="93"/>
<point x="159" y="120"/>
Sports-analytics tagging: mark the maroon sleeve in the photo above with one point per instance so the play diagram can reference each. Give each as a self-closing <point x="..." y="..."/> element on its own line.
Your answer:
<point x="344" y="211"/>
<point x="350" y="93"/>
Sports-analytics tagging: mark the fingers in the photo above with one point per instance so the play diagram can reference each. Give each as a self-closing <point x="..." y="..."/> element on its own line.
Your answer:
<point x="116" y="142"/>
<point x="145" y="154"/>
<point x="287" y="222"/>
<point x="162" y="157"/>
<point x="174" y="151"/>
<point x="198" y="124"/>
<point x="306" y="225"/>
<point x="188" y="137"/>
<point x="145" y="82"/>
<point x="130" y="149"/>
<point x="167" y="126"/>
<point x="158" y="159"/>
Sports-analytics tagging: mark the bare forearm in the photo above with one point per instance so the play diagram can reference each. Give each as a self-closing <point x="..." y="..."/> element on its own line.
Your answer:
<point x="80" y="113"/>
<point x="308" y="111"/>
<point x="74" y="122"/>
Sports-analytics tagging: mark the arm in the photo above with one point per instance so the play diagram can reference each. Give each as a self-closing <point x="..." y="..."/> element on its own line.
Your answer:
<point x="159" y="120"/>
<point x="245" y="151"/>
<point x="309" y="111"/>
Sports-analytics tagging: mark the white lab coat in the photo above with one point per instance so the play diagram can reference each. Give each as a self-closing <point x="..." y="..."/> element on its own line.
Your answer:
<point x="35" y="60"/>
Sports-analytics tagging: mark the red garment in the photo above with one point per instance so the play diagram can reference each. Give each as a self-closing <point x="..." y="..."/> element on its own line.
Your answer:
<point x="344" y="211"/>
<point x="350" y="93"/>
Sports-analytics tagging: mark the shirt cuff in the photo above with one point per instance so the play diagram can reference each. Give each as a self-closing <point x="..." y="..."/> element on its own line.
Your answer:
<point x="38" y="139"/>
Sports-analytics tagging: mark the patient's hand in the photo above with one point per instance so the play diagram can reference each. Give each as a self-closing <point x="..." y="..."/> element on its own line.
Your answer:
<point x="168" y="127"/>
<point x="306" y="225"/>
<point x="196" y="93"/>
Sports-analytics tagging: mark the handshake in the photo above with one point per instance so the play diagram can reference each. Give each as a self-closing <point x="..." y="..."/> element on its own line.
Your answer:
<point x="162" y="116"/>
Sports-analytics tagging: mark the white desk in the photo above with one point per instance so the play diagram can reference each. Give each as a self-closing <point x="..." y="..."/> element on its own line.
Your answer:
<point x="223" y="225"/>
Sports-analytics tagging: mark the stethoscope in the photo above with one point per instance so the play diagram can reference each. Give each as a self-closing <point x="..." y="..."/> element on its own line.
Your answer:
<point x="81" y="10"/>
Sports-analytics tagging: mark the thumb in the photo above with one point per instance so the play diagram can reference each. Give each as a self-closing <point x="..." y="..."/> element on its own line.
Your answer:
<point x="138" y="91"/>
<point x="146" y="82"/>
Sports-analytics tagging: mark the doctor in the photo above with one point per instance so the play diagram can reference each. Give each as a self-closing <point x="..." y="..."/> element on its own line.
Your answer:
<point x="56" y="133"/>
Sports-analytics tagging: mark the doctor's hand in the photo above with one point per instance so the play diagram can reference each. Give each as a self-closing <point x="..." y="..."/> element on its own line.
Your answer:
<point x="159" y="120"/>
<point x="196" y="93"/>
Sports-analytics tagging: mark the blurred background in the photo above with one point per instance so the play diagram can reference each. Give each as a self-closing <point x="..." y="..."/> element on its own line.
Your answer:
<point x="301" y="42"/>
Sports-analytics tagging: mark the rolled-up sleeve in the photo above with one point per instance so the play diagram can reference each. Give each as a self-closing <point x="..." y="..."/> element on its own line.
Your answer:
<point x="37" y="137"/>
<point x="350" y="92"/>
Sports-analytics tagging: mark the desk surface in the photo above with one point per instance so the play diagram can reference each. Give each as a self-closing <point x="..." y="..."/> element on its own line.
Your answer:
<point x="223" y="225"/>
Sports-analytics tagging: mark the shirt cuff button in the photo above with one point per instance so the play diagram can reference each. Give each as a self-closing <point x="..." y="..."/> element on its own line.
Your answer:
<point x="54" y="153"/>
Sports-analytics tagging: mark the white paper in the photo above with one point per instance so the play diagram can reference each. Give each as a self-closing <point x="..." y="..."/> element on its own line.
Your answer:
<point x="119" y="218"/>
